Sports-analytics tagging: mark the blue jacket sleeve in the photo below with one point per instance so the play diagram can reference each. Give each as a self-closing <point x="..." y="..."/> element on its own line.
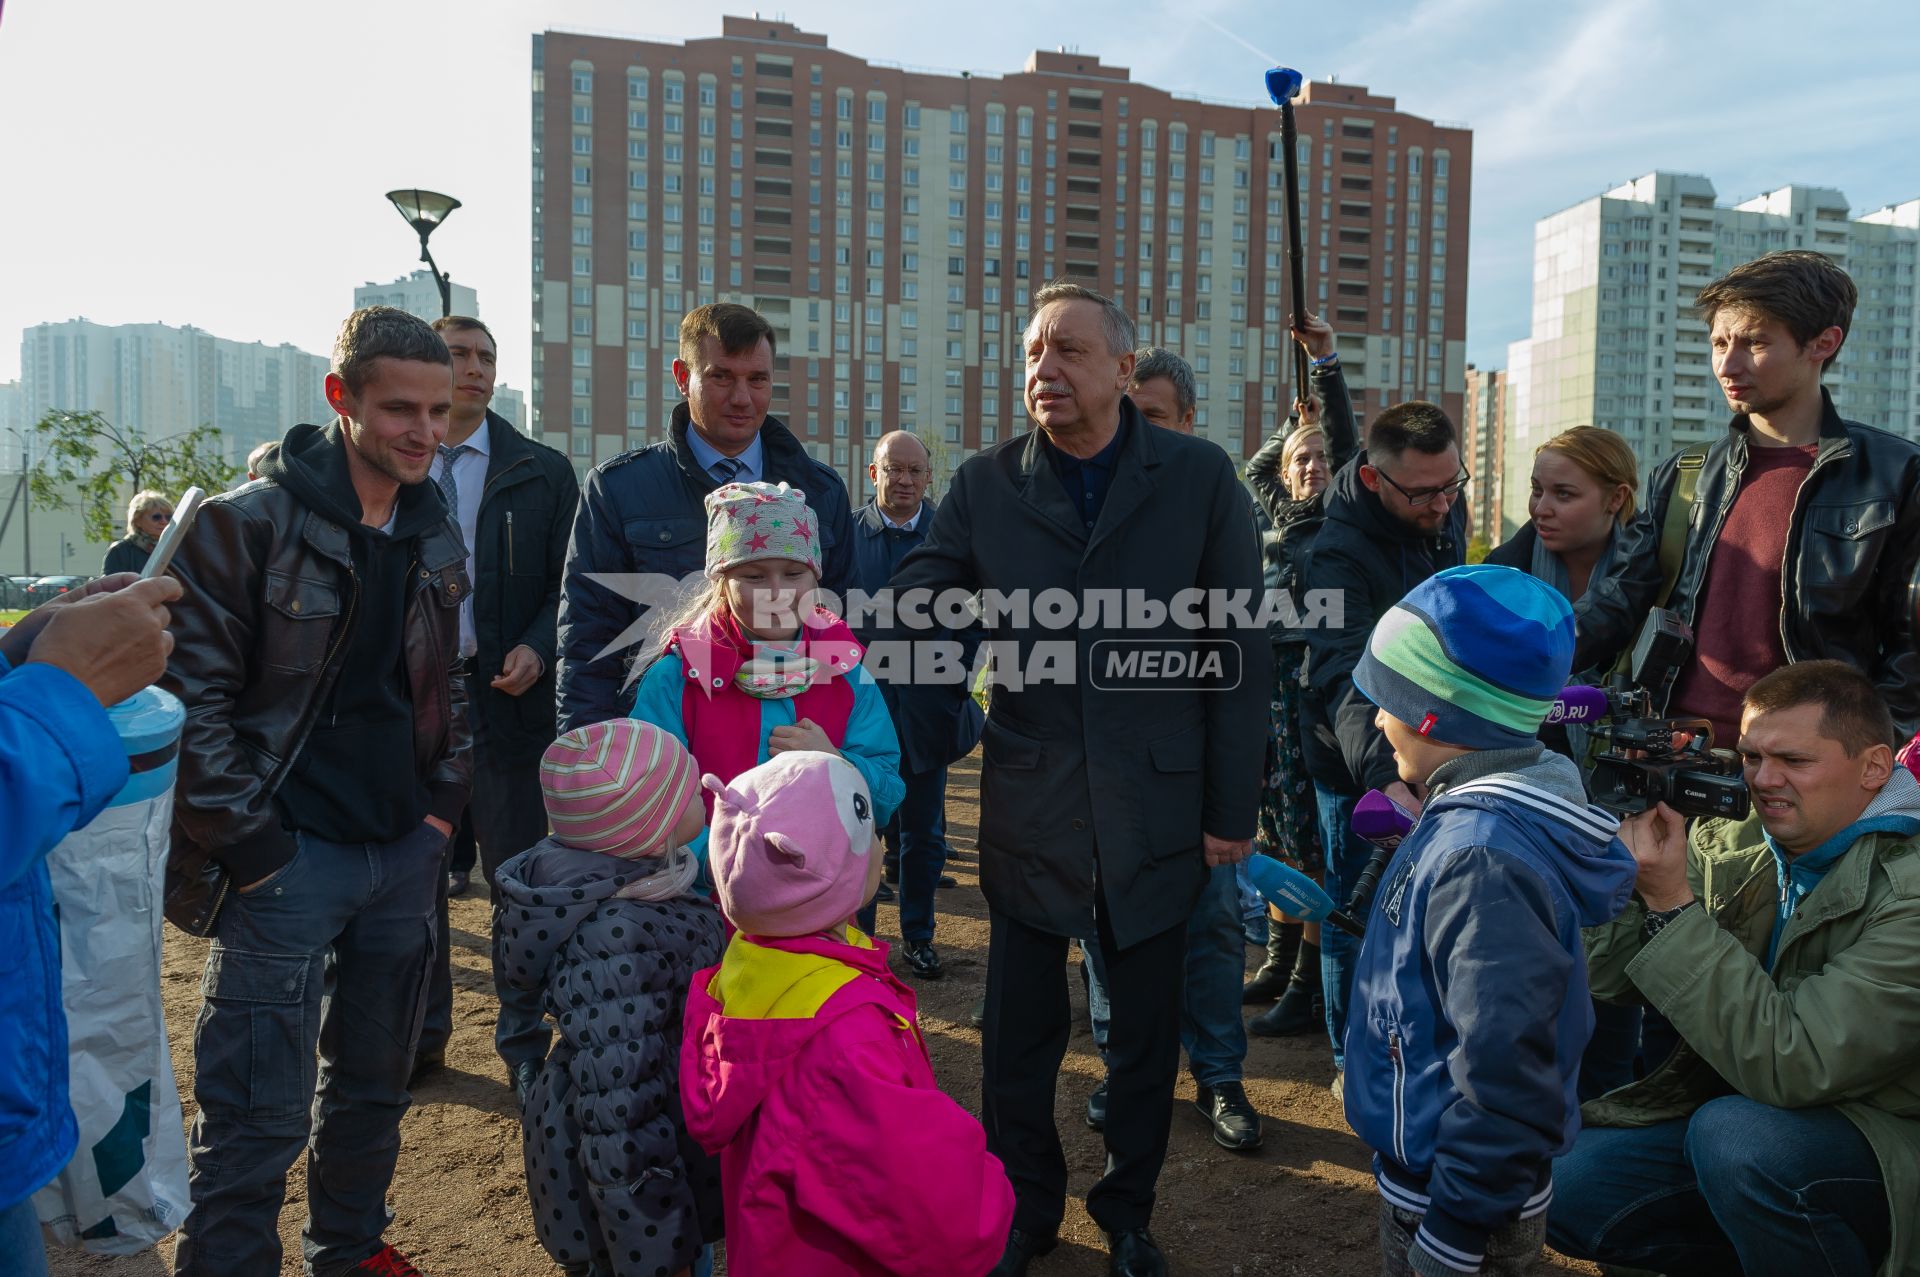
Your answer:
<point x="872" y="746"/>
<point x="592" y="616"/>
<point x="658" y="699"/>
<point x="1502" y="976"/>
<point x="60" y="762"/>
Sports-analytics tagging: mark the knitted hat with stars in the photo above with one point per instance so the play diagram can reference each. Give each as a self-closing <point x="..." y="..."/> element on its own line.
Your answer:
<point x="748" y="521"/>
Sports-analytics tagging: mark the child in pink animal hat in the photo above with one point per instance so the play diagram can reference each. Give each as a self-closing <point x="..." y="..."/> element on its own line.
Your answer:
<point x="802" y="1064"/>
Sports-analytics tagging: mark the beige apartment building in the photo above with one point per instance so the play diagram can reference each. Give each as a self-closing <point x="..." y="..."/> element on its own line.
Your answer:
<point x="892" y="224"/>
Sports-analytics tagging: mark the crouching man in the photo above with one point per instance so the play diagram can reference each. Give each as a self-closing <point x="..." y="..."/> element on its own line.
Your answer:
<point x="1783" y="1134"/>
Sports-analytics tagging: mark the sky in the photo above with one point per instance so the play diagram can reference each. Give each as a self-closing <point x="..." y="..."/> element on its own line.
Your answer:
<point x="223" y="163"/>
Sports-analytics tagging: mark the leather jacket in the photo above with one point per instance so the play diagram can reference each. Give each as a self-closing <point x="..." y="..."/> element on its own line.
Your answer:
<point x="270" y="591"/>
<point x="1847" y="579"/>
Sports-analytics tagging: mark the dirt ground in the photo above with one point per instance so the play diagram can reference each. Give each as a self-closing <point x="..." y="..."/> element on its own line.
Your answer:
<point x="1303" y="1204"/>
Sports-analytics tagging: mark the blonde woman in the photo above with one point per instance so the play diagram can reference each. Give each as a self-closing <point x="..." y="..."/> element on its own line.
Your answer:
<point x="147" y="517"/>
<point x="1584" y="483"/>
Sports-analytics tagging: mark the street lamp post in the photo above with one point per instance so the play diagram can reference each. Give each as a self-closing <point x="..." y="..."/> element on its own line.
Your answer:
<point x="425" y="210"/>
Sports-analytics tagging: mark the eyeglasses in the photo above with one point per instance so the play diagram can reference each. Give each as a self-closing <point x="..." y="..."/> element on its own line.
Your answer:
<point x="160" y="516"/>
<point x="1425" y="495"/>
<point x="905" y="472"/>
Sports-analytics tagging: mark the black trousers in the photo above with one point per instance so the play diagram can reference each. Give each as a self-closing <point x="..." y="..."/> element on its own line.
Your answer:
<point x="506" y="816"/>
<point x="1025" y="1039"/>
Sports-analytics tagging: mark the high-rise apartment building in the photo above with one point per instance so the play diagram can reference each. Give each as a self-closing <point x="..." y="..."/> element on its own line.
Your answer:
<point x="892" y="226"/>
<point x="1615" y="342"/>
<point x="1483" y="445"/>
<point x="165" y="380"/>
<point x="417" y="294"/>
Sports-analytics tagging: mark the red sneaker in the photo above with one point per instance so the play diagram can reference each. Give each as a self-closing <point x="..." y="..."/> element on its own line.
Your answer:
<point x="387" y="1262"/>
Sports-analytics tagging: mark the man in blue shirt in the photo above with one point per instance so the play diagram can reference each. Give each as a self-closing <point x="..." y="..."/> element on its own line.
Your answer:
<point x="60" y="763"/>
<point x="642" y="513"/>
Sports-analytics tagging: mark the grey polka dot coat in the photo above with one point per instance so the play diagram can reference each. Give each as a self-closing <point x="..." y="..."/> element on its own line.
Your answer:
<point x="612" y="1176"/>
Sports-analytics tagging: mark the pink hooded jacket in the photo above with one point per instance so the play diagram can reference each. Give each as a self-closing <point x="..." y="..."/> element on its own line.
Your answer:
<point x="803" y="1068"/>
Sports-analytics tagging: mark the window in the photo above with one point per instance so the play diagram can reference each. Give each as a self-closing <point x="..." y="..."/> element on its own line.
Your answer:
<point x="583" y="81"/>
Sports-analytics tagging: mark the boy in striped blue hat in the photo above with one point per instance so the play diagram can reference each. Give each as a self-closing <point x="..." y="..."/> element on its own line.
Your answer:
<point x="1470" y="1007"/>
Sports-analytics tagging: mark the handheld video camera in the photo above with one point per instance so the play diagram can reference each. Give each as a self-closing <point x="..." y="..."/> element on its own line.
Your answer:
<point x="1642" y="764"/>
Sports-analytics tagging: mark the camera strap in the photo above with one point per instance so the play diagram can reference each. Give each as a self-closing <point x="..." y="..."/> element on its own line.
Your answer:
<point x="1673" y="532"/>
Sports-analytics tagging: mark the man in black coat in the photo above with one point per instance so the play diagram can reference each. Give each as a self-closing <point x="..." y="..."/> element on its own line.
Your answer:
<point x="1393" y="518"/>
<point x="642" y="518"/>
<point x="513" y="499"/>
<point x="1124" y="742"/>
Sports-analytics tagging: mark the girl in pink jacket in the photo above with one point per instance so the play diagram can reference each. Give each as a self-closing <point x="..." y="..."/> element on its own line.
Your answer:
<point x="802" y="1064"/>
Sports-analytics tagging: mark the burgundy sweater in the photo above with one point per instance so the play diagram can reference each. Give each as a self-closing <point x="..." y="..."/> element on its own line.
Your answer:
<point x="1736" y="624"/>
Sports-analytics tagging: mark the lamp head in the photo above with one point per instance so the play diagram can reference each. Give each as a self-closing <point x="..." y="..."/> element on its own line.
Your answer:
<point x="424" y="210"/>
<point x="1284" y="85"/>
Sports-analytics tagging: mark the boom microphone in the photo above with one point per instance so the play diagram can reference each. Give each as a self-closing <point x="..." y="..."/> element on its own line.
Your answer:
<point x="1295" y="894"/>
<point x="1579" y="704"/>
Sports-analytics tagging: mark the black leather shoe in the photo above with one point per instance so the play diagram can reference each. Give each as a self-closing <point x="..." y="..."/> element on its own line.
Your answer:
<point x="1227" y="1110"/>
<point x="922" y="958"/>
<point x="525" y="1074"/>
<point x="425" y="1065"/>
<point x="978" y="1016"/>
<point x="1097" y="1107"/>
<point x="1022" y="1249"/>
<point x="1134" y="1254"/>
<point x="457" y="883"/>
<point x="947" y="880"/>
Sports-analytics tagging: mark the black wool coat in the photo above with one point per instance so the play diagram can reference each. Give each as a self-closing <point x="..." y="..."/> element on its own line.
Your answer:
<point x="1095" y="781"/>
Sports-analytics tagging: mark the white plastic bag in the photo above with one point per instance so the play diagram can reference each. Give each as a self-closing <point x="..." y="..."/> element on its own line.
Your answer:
<point x="126" y="1187"/>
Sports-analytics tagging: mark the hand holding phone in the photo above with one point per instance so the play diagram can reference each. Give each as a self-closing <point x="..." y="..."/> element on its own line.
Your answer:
<point x="163" y="553"/>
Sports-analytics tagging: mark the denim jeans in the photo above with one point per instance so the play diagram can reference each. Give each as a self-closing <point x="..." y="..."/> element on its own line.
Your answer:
<point x="1347" y="855"/>
<point x="506" y="816"/>
<point x="22" y="1253"/>
<point x="331" y="953"/>
<point x="1211" y="1030"/>
<point x="1739" y="1187"/>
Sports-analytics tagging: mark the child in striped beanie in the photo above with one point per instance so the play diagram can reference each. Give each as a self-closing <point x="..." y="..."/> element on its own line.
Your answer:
<point x="1469" y="1010"/>
<point x="600" y="917"/>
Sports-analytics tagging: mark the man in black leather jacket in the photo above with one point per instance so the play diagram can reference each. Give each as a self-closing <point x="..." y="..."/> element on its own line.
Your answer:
<point x="1804" y="530"/>
<point x="325" y="755"/>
